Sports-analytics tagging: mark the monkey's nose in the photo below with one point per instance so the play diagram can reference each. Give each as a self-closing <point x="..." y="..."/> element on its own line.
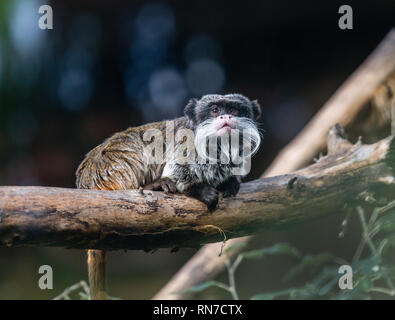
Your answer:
<point x="225" y="117"/>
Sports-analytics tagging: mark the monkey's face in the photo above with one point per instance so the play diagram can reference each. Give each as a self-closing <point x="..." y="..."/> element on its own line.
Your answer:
<point x="219" y="118"/>
<point x="215" y="106"/>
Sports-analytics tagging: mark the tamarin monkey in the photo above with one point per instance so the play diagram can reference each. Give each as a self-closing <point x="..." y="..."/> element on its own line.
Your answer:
<point x="123" y="162"/>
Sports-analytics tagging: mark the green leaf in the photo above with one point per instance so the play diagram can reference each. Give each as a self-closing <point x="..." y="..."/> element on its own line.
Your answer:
<point x="325" y="275"/>
<point x="320" y="285"/>
<point x="328" y="287"/>
<point x="365" y="283"/>
<point x="367" y="266"/>
<point x="272" y="295"/>
<point x="279" y="248"/>
<point x="309" y="262"/>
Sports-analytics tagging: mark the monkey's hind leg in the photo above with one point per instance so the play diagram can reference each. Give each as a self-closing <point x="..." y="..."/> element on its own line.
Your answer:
<point x="97" y="274"/>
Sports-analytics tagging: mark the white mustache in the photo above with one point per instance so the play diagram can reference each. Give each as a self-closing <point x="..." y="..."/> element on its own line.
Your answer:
<point x="206" y="134"/>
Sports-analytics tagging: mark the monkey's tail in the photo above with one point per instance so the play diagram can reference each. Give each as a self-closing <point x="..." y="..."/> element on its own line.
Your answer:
<point x="97" y="274"/>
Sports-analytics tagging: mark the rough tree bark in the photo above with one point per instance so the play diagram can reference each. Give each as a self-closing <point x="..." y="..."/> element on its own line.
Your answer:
<point x="43" y="216"/>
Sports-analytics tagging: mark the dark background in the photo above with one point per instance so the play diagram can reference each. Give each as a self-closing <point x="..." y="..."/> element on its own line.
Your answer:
<point x="108" y="65"/>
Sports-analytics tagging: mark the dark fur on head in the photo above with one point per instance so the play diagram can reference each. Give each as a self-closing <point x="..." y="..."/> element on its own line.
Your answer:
<point x="198" y="110"/>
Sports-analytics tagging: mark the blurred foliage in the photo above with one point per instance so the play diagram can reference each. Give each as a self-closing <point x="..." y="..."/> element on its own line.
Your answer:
<point x="371" y="275"/>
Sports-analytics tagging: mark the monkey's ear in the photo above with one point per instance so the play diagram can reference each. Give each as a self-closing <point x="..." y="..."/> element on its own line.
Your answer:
<point x="256" y="109"/>
<point x="189" y="109"/>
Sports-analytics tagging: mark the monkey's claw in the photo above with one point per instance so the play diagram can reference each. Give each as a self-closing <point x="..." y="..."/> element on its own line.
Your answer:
<point x="162" y="184"/>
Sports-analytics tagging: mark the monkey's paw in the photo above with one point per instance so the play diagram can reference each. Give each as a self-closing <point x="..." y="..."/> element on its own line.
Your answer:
<point x="162" y="184"/>
<point x="209" y="196"/>
<point x="230" y="187"/>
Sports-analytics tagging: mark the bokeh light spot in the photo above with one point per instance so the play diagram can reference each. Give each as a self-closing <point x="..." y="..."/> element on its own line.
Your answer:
<point x="205" y="76"/>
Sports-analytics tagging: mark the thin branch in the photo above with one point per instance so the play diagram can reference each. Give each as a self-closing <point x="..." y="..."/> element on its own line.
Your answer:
<point x="232" y="281"/>
<point x="383" y="290"/>
<point x="365" y="231"/>
<point x="65" y="295"/>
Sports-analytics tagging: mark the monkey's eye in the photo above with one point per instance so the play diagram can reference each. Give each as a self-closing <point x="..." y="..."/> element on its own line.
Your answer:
<point x="234" y="112"/>
<point x="214" y="110"/>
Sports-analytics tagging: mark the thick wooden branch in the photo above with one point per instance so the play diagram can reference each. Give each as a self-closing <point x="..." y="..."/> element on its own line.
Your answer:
<point x="42" y="216"/>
